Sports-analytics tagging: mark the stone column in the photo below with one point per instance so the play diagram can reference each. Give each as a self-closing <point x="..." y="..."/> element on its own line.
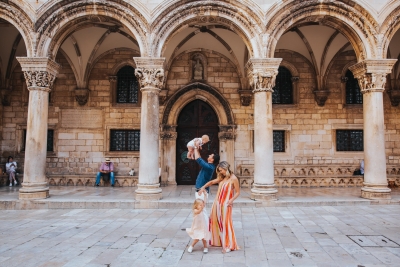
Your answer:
<point x="261" y="73"/>
<point x="40" y="74"/>
<point x="371" y="75"/>
<point x="150" y="74"/>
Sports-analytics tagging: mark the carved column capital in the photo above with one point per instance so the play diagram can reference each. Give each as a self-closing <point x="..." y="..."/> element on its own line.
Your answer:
<point x="113" y="79"/>
<point x="321" y="96"/>
<point x="371" y="73"/>
<point x="262" y="72"/>
<point x="168" y="135"/>
<point x="39" y="71"/>
<point x="150" y="72"/>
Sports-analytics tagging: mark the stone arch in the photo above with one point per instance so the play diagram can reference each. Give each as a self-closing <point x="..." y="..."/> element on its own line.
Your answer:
<point x="293" y="70"/>
<point x="245" y="19"/>
<point x="197" y="91"/>
<point x="13" y="14"/>
<point x="388" y="29"/>
<point x="65" y="17"/>
<point x="348" y="17"/>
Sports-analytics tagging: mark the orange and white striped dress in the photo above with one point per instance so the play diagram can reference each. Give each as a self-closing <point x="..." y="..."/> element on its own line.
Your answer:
<point x="221" y="226"/>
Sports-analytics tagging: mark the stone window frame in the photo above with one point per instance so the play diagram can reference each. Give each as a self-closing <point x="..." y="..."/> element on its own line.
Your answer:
<point x="343" y="87"/>
<point x="277" y="127"/>
<point x="295" y="80"/>
<point x="106" y="141"/>
<point x="19" y="138"/>
<point x="114" y="82"/>
<point x="340" y="126"/>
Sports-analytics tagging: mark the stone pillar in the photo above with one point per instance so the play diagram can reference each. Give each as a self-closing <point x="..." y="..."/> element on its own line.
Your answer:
<point x="261" y="73"/>
<point x="168" y="160"/>
<point x="150" y="74"/>
<point x="371" y="75"/>
<point x="40" y="74"/>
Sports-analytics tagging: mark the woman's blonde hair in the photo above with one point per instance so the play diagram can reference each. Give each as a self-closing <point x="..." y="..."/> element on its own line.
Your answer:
<point x="224" y="165"/>
<point x="197" y="202"/>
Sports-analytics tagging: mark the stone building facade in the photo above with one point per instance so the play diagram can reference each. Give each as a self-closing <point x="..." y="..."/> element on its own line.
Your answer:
<point x="292" y="94"/>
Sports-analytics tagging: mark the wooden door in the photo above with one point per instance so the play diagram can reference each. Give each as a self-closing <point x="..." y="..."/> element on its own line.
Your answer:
<point x="195" y="120"/>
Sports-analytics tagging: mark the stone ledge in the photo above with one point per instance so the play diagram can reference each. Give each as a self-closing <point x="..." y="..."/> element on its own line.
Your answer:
<point x="89" y="180"/>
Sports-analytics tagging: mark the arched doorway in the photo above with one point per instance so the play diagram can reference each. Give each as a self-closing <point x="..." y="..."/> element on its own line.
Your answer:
<point x="196" y="119"/>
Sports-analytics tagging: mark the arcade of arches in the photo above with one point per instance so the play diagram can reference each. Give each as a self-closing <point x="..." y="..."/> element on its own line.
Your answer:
<point x="292" y="93"/>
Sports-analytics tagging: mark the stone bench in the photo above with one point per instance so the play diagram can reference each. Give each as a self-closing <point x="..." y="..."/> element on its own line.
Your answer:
<point x="4" y="179"/>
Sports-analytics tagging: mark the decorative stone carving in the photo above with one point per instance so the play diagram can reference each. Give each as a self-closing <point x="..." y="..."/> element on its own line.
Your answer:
<point x="321" y="96"/>
<point x="113" y="79"/>
<point x="198" y="67"/>
<point x="168" y="135"/>
<point x="150" y="72"/>
<point x="295" y="79"/>
<point x="163" y="96"/>
<point x="198" y="70"/>
<point x="39" y="72"/>
<point x="394" y="96"/>
<point x="226" y="136"/>
<point x="245" y="97"/>
<point x="343" y="79"/>
<point x="82" y="95"/>
<point x="262" y="72"/>
<point x="371" y="74"/>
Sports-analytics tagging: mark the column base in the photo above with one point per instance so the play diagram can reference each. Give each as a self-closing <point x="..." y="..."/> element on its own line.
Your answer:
<point x="148" y="192"/>
<point x="264" y="192"/>
<point x="375" y="191"/>
<point x="34" y="191"/>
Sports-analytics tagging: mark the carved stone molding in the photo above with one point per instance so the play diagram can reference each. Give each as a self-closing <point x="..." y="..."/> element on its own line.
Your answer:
<point x="371" y="73"/>
<point x="394" y="96"/>
<point x="245" y="97"/>
<point x="113" y="79"/>
<point x="295" y="79"/>
<point x="262" y="73"/>
<point x="163" y="96"/>
<point x="321" y="96"/>
<point x="82" y="95"/>
<point x="343" y="79"/>
<point x="226" y="136"/>
<point x="227" y="128"/>
<point x="168" y="135"/>
<point x="39" y="72"/>
<point x="168" y="128"/>
<point x="150" y="72"/>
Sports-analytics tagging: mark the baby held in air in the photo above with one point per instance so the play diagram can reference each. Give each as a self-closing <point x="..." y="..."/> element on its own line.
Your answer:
<point x="197" y="141"/>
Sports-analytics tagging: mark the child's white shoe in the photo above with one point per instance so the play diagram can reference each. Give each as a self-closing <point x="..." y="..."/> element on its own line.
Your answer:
<point x="190" y="249"/>
<point x="205" y="251"/>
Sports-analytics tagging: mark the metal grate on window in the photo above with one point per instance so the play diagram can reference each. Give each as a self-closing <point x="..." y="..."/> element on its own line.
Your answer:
<point x="279" y="141"/>
<point x="125" y="140"/>
<point x="349" y="140"/>
<point x="127" y="86"/>
<point x="353" y="92"/>
<point x="283" y="90"/>
<point x="50" y="141"/>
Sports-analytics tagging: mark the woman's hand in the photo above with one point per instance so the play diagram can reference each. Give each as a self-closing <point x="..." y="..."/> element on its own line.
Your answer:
<point x="200" y="192"/>
<point x="230" y="203"/>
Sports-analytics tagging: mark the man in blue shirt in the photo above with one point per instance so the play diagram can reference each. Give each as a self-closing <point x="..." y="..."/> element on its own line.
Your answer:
<point x="207" y="168"/>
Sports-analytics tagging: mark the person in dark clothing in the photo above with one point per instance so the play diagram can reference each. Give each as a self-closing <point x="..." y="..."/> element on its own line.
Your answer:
<point x="206" y="171"/>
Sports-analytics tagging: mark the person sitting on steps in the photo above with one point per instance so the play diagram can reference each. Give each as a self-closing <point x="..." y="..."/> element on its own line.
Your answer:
<point x="106" y="168"/>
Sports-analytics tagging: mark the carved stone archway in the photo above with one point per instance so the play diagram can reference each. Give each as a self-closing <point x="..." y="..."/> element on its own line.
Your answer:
<point x="353" y="21"/>
<point x="67" y="16"/>
<point x="388" y="29"/>
<point x="227" y="129"/>
<point x="245" y="19"/>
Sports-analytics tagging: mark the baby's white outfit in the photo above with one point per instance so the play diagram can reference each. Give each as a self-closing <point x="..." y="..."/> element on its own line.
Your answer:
<point x="192" y="142"/>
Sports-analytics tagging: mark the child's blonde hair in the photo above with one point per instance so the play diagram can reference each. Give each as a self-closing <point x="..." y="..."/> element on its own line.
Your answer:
<point x="205" y="138"/>
<point x="197" y="202"/>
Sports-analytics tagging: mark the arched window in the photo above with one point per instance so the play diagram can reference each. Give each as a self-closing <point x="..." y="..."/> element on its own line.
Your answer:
<point x="283" y="90"/>
<point x="353" y="92"/>
<point x="127" y="86"/>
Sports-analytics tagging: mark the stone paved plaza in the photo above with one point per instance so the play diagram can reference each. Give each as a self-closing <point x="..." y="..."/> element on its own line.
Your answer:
<point x="357" y="235"/>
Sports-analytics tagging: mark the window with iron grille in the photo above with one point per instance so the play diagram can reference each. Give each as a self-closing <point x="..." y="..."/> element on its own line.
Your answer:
<point x="127" y="86"/>
<point x="125" y="140"/>
<point x="283" y="90"/>
<point x="50" y="141"/>
<point x="279" y="141"/>
<point x="353" y="92"/>
<point x="349" y="140"/>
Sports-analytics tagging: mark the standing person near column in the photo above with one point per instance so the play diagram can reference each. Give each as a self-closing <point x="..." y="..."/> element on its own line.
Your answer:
<point x="106" y="168"/>
<point x="11" y="167"/>
<point x="206" y="171"/>
<point x="221" y="225"/>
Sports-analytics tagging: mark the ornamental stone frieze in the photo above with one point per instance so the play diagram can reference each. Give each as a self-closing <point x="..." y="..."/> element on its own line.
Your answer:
<point x="262" y="73"/>
<point x="227" y="132"/>
<point x="371" y="74"/>
<point x="168" y="135"/>
<point x="150" y="72"/>
<point x="39" y="72"/>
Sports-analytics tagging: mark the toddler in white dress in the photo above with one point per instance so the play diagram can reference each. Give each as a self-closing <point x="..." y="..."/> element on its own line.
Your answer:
<point x="200" y="141"/>
<point x="199" y="229"/>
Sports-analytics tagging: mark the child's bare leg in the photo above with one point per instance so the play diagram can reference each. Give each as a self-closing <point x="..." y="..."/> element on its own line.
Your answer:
<point x="190" y="152"/>
<point x="194" y="242"/>
<point x="204" y="243"/>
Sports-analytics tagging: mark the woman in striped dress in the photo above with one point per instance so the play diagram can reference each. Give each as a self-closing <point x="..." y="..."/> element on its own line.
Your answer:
<point x="221" y="226"/>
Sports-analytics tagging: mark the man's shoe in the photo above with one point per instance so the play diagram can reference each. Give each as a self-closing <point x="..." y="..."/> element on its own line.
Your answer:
<point x="97" y="184"/>
<point x="112" y="185"/>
